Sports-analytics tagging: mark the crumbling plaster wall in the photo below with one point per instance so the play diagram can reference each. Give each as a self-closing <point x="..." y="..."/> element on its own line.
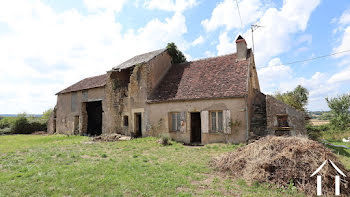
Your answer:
<point x="130" y="98"/>
<point x="159" y="119"/>
<point x="65" y="115"/>
<point x="296" y="118"/>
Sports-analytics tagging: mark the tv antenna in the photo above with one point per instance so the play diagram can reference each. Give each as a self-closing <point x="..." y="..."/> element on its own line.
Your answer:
<point x="253" y="28"/>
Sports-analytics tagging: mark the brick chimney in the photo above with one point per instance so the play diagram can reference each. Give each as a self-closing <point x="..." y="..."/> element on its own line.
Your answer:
<point x="241" y="47"/>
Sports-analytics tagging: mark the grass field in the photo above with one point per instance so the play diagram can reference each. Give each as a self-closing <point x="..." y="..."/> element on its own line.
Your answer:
<point x="33" y="165"/>
<point x="316" y="122"/>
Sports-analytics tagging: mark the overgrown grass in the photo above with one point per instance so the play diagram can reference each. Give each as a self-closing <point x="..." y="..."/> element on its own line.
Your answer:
<point x="326" y="132"/>
<point x="72" y="166"/>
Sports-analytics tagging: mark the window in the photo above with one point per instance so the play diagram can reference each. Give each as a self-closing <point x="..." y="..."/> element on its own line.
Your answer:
<point x="126" y="121"/>
<point x="85" y="95"/>
<point x="216" y="121"/>
<point x="74" y="101"/>
<point x="175" y="121"/>
<point x="282" y="120"/>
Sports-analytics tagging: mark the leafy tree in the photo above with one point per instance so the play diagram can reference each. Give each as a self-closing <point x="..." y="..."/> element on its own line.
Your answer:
<point x="297" y="98"/>
<point x="46" y="115"/>
<point x="325" y="116"/>
<point x="176" y="55"/>
<point x="340" y="111"/>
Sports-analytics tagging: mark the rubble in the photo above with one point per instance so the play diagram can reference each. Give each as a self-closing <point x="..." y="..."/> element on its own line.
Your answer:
<point x="111" y="138"/>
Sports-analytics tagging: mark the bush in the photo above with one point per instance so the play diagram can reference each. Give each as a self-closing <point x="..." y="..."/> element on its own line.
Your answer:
<point x="22" y="126"/>
<point x="316" y="132"/>
<point x="164" y="140"/>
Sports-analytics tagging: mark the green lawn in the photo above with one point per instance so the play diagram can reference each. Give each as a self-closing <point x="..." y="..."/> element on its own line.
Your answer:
<point x="60" y="165"/>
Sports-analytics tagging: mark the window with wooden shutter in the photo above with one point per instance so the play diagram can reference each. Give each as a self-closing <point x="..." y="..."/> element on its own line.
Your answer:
<point x="216" y="121"/>
<point x="205" y="121"/>
<point x="175" y="121"/>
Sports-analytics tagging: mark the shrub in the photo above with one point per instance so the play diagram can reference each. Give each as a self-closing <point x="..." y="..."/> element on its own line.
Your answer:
<point x="20" y="126"/>
<point x="164" y="140"/>
<point x="340" y="107"/>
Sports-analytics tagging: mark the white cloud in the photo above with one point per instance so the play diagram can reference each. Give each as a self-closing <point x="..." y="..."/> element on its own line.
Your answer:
<point x="46" y="51"/>
<point x="345" y="18"/>
<point x="113" y="5"/>
<point x="344" y="45"/>
<point x="209" y="54"/>
<point x="279" y="27"/>
<point x="170" y="5"/>
<point x="342" y="76"/>
<point x="226" y="14"/>
<point x="279" y="77"/>
<point x="226" y="45"/>
<point x="276" y="35"/>
<point x="198" y="41"/>
<point x="275" y="73"/>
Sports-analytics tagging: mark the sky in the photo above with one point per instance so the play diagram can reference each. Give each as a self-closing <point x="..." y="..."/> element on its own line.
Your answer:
<point x="47" y="45"/>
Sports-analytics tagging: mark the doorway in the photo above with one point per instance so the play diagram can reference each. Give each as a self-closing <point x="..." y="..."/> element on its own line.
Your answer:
<point x="196" y="132"/>
<point x="138" y="125"/>
<point x="94" y="112"/>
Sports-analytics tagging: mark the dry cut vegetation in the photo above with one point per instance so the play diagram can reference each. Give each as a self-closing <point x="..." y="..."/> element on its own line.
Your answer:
<point x="286" y="162"/>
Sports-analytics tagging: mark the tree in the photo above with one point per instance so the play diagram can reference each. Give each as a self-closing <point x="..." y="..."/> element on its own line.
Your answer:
<point x="176" y="55"/>
<point x="340" y="110"/>
<point x="46" y="115"/>
<point x="297" y="98"/>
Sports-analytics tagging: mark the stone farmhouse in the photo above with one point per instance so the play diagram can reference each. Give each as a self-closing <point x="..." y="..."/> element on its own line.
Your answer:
<point x="205" y="101"/>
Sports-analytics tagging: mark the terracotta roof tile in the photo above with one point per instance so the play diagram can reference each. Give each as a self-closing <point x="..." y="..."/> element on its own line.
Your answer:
<point x="87" y="83"/>
<point x="217" y="77"/>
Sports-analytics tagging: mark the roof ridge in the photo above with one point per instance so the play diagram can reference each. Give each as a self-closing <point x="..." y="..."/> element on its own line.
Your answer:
<point x="207" y="58"/>
<point x="93" y="77"/>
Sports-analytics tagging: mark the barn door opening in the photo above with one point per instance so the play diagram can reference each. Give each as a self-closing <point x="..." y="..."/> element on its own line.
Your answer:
<point x="196" y="133"/>
<point x="138" y="125"/>
<point x="94" y="112"/>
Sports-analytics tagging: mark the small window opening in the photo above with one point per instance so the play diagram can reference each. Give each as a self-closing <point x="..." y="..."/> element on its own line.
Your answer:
<point x="126" y="121"/>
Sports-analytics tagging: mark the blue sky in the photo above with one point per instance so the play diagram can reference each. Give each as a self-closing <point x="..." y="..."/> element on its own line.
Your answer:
<point x="48" y="45"/>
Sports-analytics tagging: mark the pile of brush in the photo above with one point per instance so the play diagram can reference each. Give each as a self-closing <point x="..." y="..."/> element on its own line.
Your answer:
<point x="285" y="160"/>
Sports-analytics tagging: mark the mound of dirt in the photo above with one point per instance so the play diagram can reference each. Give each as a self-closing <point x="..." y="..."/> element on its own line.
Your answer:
<point x="282" y="161"/>
<point x="111" y="138"/>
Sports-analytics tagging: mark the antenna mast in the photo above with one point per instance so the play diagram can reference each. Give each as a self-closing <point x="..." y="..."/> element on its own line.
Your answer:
<point x="253" y="28"/>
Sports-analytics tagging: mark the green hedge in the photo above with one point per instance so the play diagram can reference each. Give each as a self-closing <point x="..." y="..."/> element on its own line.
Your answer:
<point x="21" y="125"/>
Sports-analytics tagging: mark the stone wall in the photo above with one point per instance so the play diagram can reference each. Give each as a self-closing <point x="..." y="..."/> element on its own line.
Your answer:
<point x="258" y="120"/>
<point x="127" y="92"/>
<point x="51" y="124"/>
<point x="296" y="119"/>
<point x="159" y="115"/>
<point x="66" y="110"/>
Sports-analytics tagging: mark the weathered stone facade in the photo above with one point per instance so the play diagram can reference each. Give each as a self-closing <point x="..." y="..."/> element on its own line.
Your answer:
<point x="205" y="101"/>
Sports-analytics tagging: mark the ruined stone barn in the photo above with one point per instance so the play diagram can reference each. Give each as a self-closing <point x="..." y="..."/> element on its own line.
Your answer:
<point x="209" y="100"/>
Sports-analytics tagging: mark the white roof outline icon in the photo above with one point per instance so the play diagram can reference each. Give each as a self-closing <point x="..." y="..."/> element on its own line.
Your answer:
<point x="324" y="163"/>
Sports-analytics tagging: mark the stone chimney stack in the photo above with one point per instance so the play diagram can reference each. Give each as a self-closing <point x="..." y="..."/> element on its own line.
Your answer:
<point x="241" y="47"/>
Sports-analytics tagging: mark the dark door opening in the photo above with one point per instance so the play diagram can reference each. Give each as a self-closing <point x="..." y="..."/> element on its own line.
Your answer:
<point x="196" y="132"/>
<point x="94" y="112"/>
<point x="138" y="125"/>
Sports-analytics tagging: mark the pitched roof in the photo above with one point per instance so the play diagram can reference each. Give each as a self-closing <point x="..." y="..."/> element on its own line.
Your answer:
<point x="87" y="83"/>
<point x="138" y="59"/>
<point x="218" y="77"/>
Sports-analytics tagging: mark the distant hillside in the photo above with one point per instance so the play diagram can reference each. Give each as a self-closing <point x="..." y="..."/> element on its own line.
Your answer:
<point x="14" y="115"/>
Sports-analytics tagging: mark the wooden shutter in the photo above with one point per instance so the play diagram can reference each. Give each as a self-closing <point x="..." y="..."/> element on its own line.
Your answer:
<point x="227" y="121"/>
<point x="205" y="121"/>
<point x="183" y="122"/>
